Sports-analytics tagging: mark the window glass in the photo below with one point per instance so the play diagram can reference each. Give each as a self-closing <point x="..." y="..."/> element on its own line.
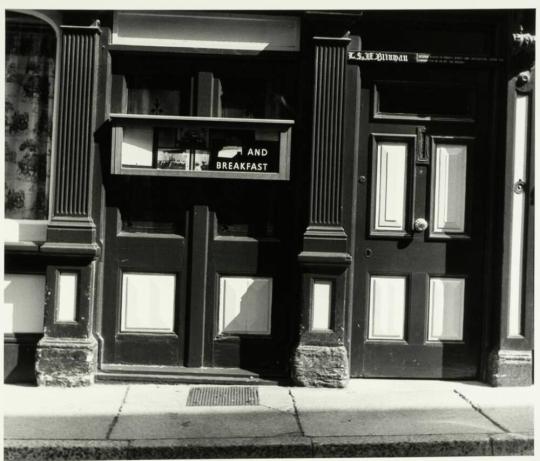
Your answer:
<point x="30" y="73"/>
<point x="425" y="99"/>
<point x="262" y="95"/>
<point x="235" y="88"/>
<point x="158" y="95"/>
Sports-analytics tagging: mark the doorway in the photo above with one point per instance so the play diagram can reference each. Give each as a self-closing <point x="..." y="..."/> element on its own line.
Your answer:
<point x="424" y="163"/>
<point x="197" y="274"/>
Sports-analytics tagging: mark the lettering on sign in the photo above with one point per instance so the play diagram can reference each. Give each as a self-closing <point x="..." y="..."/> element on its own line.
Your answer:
<point x="261" y="157"/>
<point x="418" y="58"/>
<point x="378" y="56"/>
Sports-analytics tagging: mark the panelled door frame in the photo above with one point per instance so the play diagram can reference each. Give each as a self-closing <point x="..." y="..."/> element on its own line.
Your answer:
<point x="422" y="136"/>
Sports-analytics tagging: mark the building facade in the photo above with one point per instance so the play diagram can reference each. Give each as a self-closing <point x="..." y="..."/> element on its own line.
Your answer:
<point x="247" y="197"/>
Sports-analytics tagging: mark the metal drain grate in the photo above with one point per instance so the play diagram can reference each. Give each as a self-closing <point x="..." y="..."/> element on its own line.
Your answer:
<point x="221" y="396"/>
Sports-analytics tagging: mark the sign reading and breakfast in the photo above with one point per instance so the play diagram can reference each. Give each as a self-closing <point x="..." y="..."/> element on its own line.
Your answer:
<point x="217" y="150"/>
<point x="201" y="147"/>
<point x="249" y="158"/>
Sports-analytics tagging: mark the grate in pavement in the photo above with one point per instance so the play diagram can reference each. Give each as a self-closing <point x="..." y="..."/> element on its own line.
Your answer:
<point x="220" y="396"/>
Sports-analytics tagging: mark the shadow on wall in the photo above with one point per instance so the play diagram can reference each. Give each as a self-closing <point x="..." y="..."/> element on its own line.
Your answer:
<point x="20" y="357"/>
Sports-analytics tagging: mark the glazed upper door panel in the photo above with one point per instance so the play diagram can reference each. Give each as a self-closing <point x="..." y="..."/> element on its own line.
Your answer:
<point x="420" y="224"/>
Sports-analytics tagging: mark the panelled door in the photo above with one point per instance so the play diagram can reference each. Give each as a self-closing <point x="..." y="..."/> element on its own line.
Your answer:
<point x="197" y="275"/>
<point x="424" y="164"/>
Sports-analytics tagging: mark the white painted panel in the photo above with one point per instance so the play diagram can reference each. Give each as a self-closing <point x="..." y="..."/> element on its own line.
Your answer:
<point x="322" y="304"/>
<point x="390" y="188"/>
<point x="450" y="188"/>
<point x="148" y="302"/>
<point x="137" y="146"/>
<point x="245" y="305"/>
<point x="518" y="217"/>
<point x="24" y="301"/>
<point x="226" y="31"/>
<point x="24" y="230"/>
<point x="66" y="306"/>
<point x="446" y="308"/>
<point x="387" y="307"/>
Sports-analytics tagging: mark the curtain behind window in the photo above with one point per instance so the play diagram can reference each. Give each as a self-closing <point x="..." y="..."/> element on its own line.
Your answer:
<point x="30" y="66"/>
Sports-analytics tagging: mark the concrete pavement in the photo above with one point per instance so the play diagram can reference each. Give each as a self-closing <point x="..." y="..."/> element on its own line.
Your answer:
<point x="368" y="418"/>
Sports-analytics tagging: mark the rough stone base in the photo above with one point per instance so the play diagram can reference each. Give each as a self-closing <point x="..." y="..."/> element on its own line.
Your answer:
<point x="66" y="362"/>
<point x="320" y="366"/>
<point x="510" y="368"/>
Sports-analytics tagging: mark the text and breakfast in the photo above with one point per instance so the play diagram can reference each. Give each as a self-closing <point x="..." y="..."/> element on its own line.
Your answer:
<point x="235" y="160"/>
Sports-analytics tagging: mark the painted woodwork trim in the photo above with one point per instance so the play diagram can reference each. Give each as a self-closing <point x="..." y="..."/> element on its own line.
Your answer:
<point x="327" y="131"/>
<point x="67" y="295"/>
<point x="161" y="319"/>
<point x="380" y="297"/>
<point x="81" y="327"/>
<point x="331" y="267"/>
<point x="376" y="205"/>
<point x="437" y="293"/>
<point x="75" y="144"/>
<point x="435" y="232"/>
<point x="519" y="317"/>
<point x="518" y="217"/>
<point x="322" y="301"/>
<point x="325" y="233"/>
<point x="197" y="326"/>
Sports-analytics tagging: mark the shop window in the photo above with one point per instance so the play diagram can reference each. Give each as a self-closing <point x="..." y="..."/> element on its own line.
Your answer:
<point x="24" y="300"/>
<point x="30" y="80"/>
<point x="212" y="117"/>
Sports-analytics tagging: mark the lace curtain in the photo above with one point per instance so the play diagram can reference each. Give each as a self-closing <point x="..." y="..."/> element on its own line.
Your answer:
<point x="30" y="66"/>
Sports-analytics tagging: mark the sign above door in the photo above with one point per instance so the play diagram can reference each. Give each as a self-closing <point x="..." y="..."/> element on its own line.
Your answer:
<point x="398" y="57"/>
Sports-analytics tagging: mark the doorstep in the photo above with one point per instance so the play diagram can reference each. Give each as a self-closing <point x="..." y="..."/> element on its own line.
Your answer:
<point x="120" y="373"/>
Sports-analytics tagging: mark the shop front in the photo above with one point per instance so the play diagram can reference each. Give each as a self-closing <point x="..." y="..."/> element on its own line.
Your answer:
<point x="235" y="197"/>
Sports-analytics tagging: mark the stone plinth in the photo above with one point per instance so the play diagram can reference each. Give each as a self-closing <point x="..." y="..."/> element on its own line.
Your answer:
<point x="320" y="366"/>
<point x="510" y="368"/>
<point x="66" y="362"/>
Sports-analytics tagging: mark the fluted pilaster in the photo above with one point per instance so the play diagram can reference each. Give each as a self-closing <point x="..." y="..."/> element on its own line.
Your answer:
<point x="327" y="141"/>
<point x="74" y="142"/>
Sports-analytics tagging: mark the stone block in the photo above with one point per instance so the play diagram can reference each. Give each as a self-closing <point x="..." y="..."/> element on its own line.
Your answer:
<point x="320" y="366"/>
<point x="510" y="368"/>
<point x="66" y="362"/>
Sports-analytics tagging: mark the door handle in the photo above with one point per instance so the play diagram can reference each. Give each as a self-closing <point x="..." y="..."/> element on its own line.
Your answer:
<point x="420" y="225"/>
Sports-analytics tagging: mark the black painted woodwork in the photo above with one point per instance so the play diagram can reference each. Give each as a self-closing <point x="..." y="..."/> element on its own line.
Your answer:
<point x="327" y="135"/>
<point x="324" y="254"/>
<point x="520" y="65"/>
<point x="417" y="255"/>
<point x="196" y="252"/>
<point x="72" y="198"/>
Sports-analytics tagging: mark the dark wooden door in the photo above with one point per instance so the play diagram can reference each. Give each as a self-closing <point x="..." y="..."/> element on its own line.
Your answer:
<point x="420" y="243"/>
<point x="145" y="273"/>
<point x="197" y="274"/>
